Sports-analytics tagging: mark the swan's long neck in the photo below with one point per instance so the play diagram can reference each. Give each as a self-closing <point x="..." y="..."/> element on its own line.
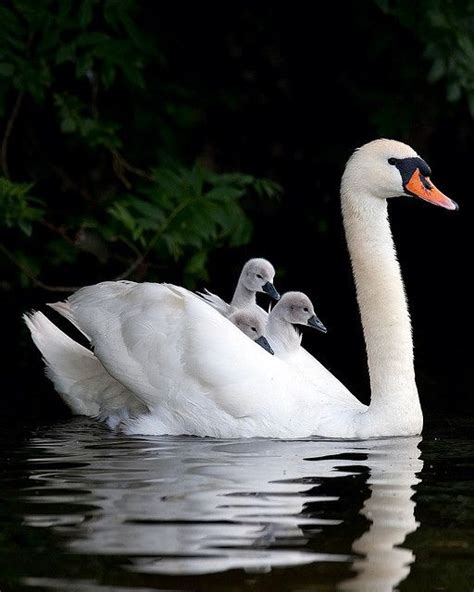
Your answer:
<point x="383" y="309"/>
<point x="243" y="297"/>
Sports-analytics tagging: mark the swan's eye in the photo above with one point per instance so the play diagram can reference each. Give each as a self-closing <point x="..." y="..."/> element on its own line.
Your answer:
<point x="254" y="329"/>
<point x="260" y="277"/>
<point x="392" y="161"/>
<point x="306" y="309"/>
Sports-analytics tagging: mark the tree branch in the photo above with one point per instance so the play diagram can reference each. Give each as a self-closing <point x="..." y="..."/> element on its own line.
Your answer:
<point x="8" y="131"/>
<point x="121" y="162"/>
<point x="120" y="165"/>
<point x="24" y="269"/>
<point x="156" y="236"/>
<point x="62" y="233"/>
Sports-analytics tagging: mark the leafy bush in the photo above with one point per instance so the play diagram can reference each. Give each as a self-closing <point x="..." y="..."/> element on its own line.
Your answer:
<point x="446" y="30"/>
<point x="72" y="77"/>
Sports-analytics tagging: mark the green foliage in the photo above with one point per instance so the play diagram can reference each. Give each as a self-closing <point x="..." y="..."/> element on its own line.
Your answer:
<point x="18" y="208"/>
<point x="41" y="37"/>
<point x="184" y="213"/>
<point x="447" y="31"/>
<point x="94" y="132"/>
<point x="106" y="166"/>
<point x="185" y="208"/>
<point x="83" y="70"/>
<point x="188" y="211"/>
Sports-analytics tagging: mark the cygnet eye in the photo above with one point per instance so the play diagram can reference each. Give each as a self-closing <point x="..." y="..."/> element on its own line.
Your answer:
<point x="306" y="309"/>
<point x="260" y="277"/>
<point x="254" y="329"/>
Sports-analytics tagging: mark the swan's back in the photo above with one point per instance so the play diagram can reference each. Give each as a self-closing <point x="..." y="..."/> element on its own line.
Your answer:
<point x="197" y="371"/>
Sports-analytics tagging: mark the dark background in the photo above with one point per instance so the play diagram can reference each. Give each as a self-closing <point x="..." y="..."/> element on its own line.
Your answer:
<point x="284" y="94"/>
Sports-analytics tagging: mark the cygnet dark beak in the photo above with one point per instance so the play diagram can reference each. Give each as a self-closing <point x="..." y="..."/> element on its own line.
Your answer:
<point x="316" y="323"/>
<point x="269" y="289"/>
<point x="263" y="341"/>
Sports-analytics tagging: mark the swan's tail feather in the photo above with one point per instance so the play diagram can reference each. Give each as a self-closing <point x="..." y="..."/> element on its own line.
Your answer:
<point x="67" y="362"/>
<point x="79" y="377"/>
<point x="65" y="310"/>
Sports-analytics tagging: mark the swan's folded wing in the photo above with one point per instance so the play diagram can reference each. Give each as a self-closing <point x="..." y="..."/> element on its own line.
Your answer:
<point x="216" y="302"/>
<point x="133" y="329"/>
<point x="172" y="350"/>
<point x="195" y="370"/>
<point x="64" y="309"/>
<point x="312" y="369"/>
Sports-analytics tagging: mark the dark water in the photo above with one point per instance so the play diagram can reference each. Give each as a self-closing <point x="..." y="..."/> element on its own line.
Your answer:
<point x="82" y="509"/>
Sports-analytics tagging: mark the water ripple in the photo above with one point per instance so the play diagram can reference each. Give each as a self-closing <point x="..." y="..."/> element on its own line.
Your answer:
<point x="199" y="506"/>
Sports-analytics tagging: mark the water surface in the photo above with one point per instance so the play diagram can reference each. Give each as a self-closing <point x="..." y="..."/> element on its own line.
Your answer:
<point x="84" y="509"/>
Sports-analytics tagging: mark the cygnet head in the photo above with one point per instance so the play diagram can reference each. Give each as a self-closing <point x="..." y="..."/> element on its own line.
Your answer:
<point x="387" y="168"/>
<point x="296" y="308"/>
<point x="257" y="276"/>
<point x="253" y="326"/>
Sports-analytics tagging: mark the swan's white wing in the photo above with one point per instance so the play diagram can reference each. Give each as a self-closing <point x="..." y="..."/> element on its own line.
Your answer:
<point x="198" y="372"/>
<point x="216" y="302"/>
<point x="78" y="376"/>
<point x="135" y="330"/>
<point x="165" y="343"/>
<point x="64" y="309"/>
<point x="313" y="370"/>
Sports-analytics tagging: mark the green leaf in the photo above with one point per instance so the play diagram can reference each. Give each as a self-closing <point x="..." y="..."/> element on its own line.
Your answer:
<point x="68" y="125"/>
<point x="437" y="71"/>
<point x="66" y="53"/>
<point x="6" y="69"/>
<point x="92" y="38"/>
<point x="470" y="101"/>
<point x="137" y="35"/>
<point x="84" y="65"/>
<point x="64" y="9"/>
<point x="453" y="92"/>
<point x="25" y="227"/>
<point x="224" y="192"/>
<point x="108" y="74"/>
<point x="10" y="22"/>
<point x="133" y="75"/>
<point x="85" y="13"/>
<point x="196" y="265"/>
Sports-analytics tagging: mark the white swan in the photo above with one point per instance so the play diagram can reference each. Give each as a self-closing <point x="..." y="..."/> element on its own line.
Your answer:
<point x="256" y="276"/>
<point x="198" y="374"/>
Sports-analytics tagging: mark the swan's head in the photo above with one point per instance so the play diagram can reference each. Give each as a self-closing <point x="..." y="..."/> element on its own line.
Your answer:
<point x="252" y="325"/>
<point x="387" y="168"/>
<point x="257" y="276"/>
<point x="296" y="308"/>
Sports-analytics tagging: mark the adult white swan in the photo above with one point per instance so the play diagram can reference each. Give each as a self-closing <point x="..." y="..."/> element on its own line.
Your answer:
<point x="195" y="373"/>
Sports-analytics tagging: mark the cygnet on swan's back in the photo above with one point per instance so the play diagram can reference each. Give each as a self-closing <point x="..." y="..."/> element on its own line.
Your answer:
<point x="252" y="325"/>
<point x="294" y="308"/>
<point x="256" y="276"/>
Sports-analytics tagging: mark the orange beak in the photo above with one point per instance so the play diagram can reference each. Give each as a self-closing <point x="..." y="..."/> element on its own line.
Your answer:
<point x="422" y="187"/>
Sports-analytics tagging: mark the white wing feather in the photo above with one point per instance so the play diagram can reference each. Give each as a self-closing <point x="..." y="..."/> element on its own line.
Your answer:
<point x="216" y="302"/>
<point x="78" y="375"/>
<point x="197" y="371"/>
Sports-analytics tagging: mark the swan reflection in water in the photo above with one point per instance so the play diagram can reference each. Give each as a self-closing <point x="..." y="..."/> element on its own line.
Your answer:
<point x="198" y="506"/>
